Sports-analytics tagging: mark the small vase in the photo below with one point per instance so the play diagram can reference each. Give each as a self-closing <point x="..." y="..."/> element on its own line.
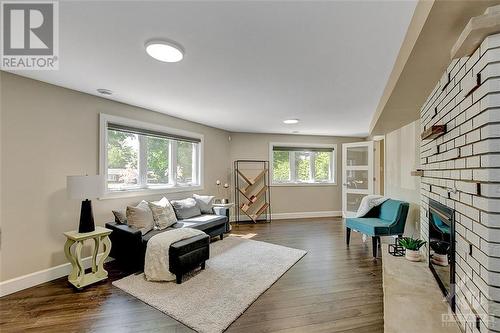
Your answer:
<point x="412" y="255"/>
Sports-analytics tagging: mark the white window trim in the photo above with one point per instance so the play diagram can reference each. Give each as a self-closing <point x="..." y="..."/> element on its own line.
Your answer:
<point x="104" y="119"/>
<point x="333" y="163"/>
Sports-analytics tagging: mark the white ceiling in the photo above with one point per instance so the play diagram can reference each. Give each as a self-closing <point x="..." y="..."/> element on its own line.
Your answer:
<point x="248" y="65"/>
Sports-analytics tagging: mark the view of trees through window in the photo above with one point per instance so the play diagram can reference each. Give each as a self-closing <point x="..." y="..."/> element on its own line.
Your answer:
<point x="123" y="159"/>
<point x="281" y="166"/>
<point x="124" y="156"/>
<point x="322" y="166"/>
<point x="158" y="160"/>
<point x="302" y="166"/>
<point x="184" y="162"/>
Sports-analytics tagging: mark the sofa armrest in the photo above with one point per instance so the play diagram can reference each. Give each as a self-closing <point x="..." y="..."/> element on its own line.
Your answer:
<point x="124" y="229"/>
<point x="126" y="245"/>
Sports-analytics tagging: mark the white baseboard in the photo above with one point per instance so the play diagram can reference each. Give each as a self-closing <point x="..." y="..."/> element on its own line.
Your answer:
<point x="305" y="215"/>
<point x="36" y="278"/>
<point x="300" y="215"/>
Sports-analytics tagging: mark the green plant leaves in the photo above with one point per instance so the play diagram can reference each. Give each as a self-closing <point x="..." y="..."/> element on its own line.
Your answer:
<point x="410" y="243"/>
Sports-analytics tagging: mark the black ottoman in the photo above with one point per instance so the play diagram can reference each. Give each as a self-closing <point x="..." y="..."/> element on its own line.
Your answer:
<point x="188" y="254"/>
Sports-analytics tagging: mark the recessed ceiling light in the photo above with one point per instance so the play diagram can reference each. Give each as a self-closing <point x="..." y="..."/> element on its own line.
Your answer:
<point x="291" y="121"/>
<point x="165" y="51"/>
<point x="104" y="91"/>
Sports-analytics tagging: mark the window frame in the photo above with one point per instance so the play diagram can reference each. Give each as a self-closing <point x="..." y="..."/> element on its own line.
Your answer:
<point x="105" y="119"/>
<point x="293" y="181"/>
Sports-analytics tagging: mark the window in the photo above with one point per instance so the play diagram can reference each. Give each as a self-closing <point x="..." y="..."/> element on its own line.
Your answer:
<point x="303" y="164"/>
<point x="136" y="156"/>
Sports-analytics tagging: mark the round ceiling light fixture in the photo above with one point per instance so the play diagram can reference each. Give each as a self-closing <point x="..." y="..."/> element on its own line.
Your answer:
<point x="103" y="91"/>
<point x="290" y="121"/>
<point x="166" y="51"/>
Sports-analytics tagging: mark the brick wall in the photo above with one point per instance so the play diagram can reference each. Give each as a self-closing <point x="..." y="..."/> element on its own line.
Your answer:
<point x="462" y="171"/>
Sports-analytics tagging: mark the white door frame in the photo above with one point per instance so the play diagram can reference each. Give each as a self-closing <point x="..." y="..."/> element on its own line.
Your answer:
<point x="345" y="168"/>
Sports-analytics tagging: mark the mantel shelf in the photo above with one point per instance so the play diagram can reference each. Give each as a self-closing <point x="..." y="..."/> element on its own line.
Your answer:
<point x="475" y="31"/>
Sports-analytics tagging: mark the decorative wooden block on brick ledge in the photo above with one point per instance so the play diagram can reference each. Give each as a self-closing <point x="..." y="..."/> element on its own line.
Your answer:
<point x="433" y="132"/>
<point x="418" y="173"/>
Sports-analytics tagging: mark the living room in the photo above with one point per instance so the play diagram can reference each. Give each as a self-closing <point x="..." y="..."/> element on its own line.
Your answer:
<point x="250" y="166"/>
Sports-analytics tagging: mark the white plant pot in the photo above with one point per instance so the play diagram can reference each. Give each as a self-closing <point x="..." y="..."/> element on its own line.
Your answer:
<point x="440" y="259"/>
<point x="412" y="255"/>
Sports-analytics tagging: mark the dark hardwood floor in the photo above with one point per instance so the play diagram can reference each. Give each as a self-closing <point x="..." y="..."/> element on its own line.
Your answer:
<point x="332" y="289"/>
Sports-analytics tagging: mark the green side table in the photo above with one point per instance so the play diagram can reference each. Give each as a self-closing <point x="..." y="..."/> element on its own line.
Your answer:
<point x="77" y="277"/>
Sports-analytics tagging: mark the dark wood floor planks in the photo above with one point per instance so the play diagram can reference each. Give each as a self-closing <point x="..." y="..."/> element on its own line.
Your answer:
<point x="332" y="289"/>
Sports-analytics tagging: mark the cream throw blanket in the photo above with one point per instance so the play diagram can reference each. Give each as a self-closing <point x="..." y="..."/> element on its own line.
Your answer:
<point x="156" y="266"/>
<point x="367" y="203"/>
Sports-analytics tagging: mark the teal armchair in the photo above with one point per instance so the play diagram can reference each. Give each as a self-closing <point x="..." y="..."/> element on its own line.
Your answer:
<point x="388" y="219"/>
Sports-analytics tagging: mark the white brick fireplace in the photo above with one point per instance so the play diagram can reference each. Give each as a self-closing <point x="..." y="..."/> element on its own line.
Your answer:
<point x="462" y="171"/>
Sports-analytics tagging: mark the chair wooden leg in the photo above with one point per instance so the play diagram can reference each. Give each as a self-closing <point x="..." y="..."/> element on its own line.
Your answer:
<point x="375" y="246"/>
<point x="348" y="235"/>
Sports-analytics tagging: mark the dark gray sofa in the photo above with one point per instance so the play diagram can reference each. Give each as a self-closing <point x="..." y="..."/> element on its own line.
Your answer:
<point x="128" y="245"/>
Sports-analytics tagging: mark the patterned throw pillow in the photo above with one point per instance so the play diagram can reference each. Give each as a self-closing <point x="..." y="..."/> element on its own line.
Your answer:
<point x="205" y="202"/>
<point x="140" y="217"/>
<point x="163" y="213"/>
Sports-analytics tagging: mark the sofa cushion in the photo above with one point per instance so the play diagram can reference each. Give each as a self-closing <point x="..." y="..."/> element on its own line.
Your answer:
<point x="140" y="217"/>
<point x="186" y="208"/>
<point x="370" y="226"/>
<point x="202" y="222"/>
<point x="205" y="202"/>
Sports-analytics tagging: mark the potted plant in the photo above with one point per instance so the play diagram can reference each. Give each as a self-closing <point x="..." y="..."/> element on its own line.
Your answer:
<point x="440" y="256"/>
<point x="412" y="247"/>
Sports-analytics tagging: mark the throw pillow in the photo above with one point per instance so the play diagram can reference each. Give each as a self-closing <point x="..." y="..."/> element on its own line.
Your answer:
<point x="140" y="217"/>
<point x="120" y="216"/>
<point x="186" y="208"/>
<point x="163" y="213"/>
<point x="205" y="202"/>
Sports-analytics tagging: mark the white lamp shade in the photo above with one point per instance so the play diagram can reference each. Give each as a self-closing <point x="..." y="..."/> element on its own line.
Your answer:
<point x="85" y="187"/>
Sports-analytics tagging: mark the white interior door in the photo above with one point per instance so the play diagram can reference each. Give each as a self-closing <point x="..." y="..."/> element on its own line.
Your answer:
<point x="357" y="175"/>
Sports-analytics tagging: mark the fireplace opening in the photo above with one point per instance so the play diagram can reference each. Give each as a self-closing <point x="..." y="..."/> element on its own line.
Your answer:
<point x="442" y="248"/>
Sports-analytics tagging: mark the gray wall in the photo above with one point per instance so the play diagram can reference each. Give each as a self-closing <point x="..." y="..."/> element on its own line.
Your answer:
<point x="47" y="133"/>
<point x="290" y="199"/>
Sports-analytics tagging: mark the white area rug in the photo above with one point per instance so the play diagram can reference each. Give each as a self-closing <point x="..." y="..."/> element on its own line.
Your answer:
<point x="238" y="272"/>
